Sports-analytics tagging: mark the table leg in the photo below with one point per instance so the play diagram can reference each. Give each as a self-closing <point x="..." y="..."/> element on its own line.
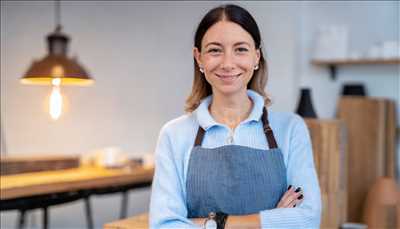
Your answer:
<point x="89" y="218"/>
<point x="124" y="204"/>
<point x="45" y="218"/>
<point x="21" y="219"/>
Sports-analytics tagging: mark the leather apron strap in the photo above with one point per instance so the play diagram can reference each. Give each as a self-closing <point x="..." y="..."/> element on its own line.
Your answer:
<point x="199" y="136"/>
<point x="267" y="131"/>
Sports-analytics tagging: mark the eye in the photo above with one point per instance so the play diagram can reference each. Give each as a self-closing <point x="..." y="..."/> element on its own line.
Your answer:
<point x="242" y="49"/>
<point x="214" y="50"/>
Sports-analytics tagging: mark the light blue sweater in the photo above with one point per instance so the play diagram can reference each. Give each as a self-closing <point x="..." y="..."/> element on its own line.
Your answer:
<point x="176" y="139"/>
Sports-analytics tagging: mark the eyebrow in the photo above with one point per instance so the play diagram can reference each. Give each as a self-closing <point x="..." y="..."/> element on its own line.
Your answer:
<point x="219" y="44"/>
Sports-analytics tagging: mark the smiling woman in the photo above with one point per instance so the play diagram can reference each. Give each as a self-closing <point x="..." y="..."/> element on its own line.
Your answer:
<point x="228" y="61"/>
<point x="231" y="160"/>
<point x="243" y="41"/>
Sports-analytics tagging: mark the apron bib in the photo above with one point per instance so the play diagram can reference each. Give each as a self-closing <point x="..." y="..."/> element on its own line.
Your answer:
<point x="237" y="180"/>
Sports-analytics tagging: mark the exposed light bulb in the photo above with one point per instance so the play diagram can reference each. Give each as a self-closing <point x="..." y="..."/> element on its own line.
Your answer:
<point x="55" y="100"/>
<point x="56" y="81"/>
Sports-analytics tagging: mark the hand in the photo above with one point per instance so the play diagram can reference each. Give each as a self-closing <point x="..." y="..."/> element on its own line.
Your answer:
<point x="292" y="198"/>
<point x="199" y="221"/>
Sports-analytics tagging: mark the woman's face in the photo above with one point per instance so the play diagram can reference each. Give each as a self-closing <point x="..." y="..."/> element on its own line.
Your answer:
<point x="228" y="57"/>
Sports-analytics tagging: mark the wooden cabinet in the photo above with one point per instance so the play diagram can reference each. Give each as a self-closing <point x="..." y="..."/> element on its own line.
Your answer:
<point x="329" y="147"/>
<point x="371" y="146"/>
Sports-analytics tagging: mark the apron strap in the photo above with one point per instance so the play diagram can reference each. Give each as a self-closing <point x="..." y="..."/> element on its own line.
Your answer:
<point x="267" y="131"/>
<point x="199" y="136"/>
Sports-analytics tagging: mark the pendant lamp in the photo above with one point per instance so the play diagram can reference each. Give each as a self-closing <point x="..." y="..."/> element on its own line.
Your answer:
<point x="57" y="64"/>
<point x="56" y="68"/>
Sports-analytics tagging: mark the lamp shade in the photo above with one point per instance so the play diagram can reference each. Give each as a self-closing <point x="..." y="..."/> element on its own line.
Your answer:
<point x="57" y="65"/>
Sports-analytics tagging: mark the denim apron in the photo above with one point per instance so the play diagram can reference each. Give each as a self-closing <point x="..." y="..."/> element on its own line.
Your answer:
<point x="233" y="179"/>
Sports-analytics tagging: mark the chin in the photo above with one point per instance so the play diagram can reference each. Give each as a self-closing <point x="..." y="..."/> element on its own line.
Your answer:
<point x="229" y="90"/>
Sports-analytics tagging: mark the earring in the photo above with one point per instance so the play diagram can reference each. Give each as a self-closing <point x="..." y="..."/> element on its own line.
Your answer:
<point x="256" y="67"/>
<point x="201" y="69"/>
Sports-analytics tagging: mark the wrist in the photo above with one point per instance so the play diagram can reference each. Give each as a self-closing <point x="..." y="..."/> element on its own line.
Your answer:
<point x="243" y="221"/>
<point x="221" y="220"/>
<point x="215" y="220"/>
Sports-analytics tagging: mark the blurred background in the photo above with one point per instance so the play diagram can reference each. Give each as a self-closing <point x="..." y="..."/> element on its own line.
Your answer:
<point x="140" y="57"/>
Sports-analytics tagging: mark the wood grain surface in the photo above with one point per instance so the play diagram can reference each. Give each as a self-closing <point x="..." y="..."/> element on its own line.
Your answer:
<point x="371" y="130"/>
<point x="14" y="164"/>
<point x="142" y="222"/>
<point x="329" y="148"/>
<point x="137" y="222"/>
<point x="28" y="184"/>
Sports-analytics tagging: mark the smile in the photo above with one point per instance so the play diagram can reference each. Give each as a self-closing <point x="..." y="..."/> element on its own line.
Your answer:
<point x="228" y="76"/>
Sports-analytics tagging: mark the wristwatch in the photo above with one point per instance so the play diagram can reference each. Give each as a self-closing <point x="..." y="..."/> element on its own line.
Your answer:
<point x="215" y="220"/>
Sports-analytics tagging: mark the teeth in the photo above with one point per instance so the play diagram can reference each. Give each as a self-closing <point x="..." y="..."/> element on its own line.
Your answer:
<point x="229" y="76"/>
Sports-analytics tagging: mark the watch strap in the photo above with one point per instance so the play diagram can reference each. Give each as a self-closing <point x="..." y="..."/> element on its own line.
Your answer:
<point x="221" y="219"/>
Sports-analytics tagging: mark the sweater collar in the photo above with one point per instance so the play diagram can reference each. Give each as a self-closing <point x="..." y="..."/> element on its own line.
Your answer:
<point x="206" y="120"/>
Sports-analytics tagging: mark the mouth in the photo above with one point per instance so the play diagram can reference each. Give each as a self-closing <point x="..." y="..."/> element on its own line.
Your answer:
<point x="228" y="76"/>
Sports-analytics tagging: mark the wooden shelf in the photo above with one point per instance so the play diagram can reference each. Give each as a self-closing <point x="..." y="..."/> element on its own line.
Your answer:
<point x="333" y="64"/>
<point x="356" y="62"/>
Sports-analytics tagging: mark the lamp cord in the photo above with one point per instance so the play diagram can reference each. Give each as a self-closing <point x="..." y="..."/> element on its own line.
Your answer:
<point x="57" y="15"/>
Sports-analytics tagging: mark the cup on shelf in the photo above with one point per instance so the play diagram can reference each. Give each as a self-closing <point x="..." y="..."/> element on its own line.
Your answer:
<point x="390" y="49"/>
<point x="353" y="55"/>
<point x="331" y="42"/>
<point x="375" y="51"/>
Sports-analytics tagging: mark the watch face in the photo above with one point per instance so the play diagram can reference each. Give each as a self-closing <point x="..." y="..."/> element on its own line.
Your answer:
<point x="211" y="224"/>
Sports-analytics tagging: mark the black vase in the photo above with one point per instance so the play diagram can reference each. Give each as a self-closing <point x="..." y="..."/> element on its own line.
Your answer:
<point x="353" y="89"/>
<point x="305" y="106"/>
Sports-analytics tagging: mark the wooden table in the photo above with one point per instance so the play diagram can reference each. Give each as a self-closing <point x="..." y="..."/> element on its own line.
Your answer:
<point x="28" y="191"/>
<point x="142" y="222"/>
<point x="137" y="222"/>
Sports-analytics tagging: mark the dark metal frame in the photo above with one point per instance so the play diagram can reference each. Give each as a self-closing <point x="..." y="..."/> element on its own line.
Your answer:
<point x="24" y="204"/>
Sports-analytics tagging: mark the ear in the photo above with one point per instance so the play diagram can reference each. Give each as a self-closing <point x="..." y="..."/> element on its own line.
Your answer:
<point x="196" y="55"/>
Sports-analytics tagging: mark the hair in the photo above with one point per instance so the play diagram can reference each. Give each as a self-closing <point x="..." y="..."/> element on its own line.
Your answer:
<point x="233" y="13"/>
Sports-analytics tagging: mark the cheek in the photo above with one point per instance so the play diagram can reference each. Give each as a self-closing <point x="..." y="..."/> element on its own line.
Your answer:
<point x="211" y="63"/>
<point x="246" y="64"/>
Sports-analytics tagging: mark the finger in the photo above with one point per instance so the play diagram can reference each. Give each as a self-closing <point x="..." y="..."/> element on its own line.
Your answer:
<point x="289" y="192"/>
<point x="293" y="196"/>
<point x="297" y="201"/>
<point x="293" y="199"/>
<point x="285" y="196"/>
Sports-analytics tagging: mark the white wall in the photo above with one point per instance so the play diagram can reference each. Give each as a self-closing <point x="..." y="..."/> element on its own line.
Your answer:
<point x="368" y="23"/>
<point x="140" y="56"/>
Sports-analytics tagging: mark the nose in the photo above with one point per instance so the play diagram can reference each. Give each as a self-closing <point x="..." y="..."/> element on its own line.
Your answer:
<point x="227" y="63"/>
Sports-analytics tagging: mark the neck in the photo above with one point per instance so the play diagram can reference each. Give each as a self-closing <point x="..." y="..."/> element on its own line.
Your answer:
<point x="230" y="110"/>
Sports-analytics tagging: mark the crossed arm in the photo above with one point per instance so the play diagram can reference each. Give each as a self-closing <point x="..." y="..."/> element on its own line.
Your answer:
<point x="168" y="206"/>
<point x="292" y="198"/>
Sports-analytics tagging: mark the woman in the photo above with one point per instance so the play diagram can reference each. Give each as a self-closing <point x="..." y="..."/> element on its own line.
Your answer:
<point x="229" y="159"/>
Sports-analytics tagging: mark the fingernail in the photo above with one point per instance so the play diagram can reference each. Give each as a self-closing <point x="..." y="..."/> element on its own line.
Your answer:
<point x="290" y="186"/>
<point x="297" y="189"/>
<point x="300" y="197"/>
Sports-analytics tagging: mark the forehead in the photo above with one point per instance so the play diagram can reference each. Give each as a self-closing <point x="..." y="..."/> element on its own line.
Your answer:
<point x="227" y="33"/>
